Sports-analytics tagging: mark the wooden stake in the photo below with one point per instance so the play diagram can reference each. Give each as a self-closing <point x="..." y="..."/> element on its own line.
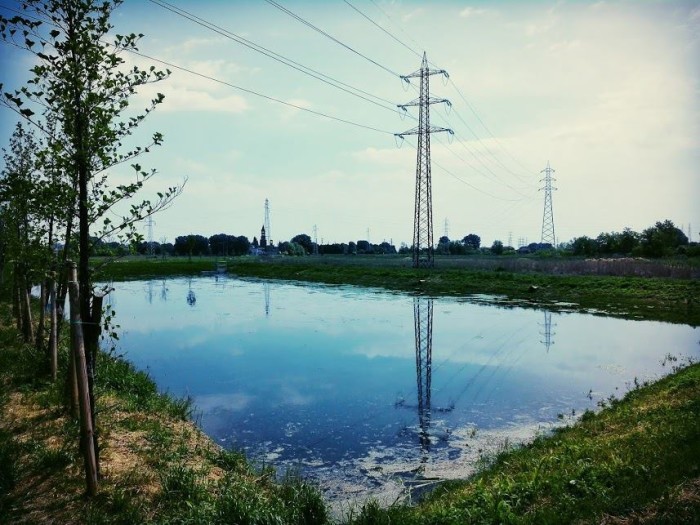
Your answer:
<point x="78" y="347"/>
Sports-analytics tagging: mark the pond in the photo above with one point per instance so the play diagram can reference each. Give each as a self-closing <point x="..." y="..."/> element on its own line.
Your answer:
<point x="371" y="393"/>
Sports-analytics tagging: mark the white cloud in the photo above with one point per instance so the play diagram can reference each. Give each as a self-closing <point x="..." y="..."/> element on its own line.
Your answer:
<point x="470" y="11"/>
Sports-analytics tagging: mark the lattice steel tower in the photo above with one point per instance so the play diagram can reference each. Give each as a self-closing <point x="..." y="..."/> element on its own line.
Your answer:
<point x="423" y="249"/>
<point x="268" y="232"/>
<point x="548" y="215"/>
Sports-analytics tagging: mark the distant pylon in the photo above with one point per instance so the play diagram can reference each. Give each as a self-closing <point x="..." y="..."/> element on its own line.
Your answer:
<point x="268" y="231"/>
<point x="423" y="249"/>
<point x="315" y="240"/>
<point x="548" y="215"/>
<point x="149" y="224"/>
<point x="447" y="228"/>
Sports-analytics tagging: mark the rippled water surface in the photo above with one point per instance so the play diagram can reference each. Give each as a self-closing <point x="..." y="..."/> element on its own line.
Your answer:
<point x="370" y="392"/>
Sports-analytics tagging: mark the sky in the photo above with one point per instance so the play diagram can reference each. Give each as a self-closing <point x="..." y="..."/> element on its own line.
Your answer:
<point x="607" y="93"/>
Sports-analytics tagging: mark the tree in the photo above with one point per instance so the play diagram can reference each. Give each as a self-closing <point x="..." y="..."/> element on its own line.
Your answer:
<point x="444" y="245"/>
<point x="662" y="239"/>
<point x="83" y="88"/>
<point x="497" y="248"/>
<point x="191" y="245"/>
<point x="305" y="241"/>
<point x="584" y="246"/>
<point x="240" y="245"/>
<point x="472" y="241"/>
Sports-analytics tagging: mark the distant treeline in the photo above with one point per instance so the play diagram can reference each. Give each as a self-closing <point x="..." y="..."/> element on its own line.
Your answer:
<point x="662" y="239"/>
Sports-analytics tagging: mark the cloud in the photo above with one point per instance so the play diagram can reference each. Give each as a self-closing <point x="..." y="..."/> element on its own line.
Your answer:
<point x="187" y="100"/>
<point x="469" y="11"/>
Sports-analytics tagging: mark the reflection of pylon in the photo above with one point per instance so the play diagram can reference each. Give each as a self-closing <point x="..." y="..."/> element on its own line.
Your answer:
<point x="547" y="333"/>
<point x="423" y="324"/>
<point x="266" y="288"/>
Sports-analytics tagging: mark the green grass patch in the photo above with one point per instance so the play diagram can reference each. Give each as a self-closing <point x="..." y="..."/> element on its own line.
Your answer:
<point x="629" y="458"/>
<point x="655" y="298"/>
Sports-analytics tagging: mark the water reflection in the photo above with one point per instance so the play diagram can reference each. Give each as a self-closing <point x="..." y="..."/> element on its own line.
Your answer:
<point x="345" y="384"/>
<point x="191" y="297"/>
<point x="547" y="330"/>
<point x="423" y="334"/>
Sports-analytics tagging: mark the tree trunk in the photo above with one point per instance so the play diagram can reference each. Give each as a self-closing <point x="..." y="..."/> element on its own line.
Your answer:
<point x="16" y="288"/>
<point x="39" y="343"/>
<point x="27" y="327"/>
<point x="53" y="332"/>
<point x="87" y="436"/>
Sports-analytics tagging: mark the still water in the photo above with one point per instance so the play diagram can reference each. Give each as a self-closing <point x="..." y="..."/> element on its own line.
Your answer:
<point x="370" y="392"/>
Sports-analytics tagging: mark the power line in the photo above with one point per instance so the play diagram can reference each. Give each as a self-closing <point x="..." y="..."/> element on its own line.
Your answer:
<point x="261" y="95"/>
<point x="383" y="29"/>
<point x="396" y="25"/>
<point x="322" y="32"/>
<point x="327" y="79"/>
<point x="471" y="108"/>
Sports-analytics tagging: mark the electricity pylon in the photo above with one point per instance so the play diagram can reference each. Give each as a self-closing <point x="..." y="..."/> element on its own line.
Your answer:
<point x="423" y="249"/>
<point x="268" y="232"/>
<point x="548" y="215"/>
<point x="149" y="225"/>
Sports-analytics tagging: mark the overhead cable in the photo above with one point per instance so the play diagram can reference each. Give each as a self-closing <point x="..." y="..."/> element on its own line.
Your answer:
<point x="261" y="95"/>
<point x="352" y="90"/>
<point x="322" y="32"/>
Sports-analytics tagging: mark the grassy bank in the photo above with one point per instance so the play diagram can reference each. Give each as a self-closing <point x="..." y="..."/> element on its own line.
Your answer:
<point x="664" y="299"/>
<point x="637" y="461"/>
<point x="157" y="466"/>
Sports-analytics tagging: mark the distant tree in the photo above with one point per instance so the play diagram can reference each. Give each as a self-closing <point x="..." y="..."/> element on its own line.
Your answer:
<point x="291" y="248"/>
<point x="305" y="241"/>
<point x="255" y="242"/>
<point x="497" y="248"/>
<point x="332" y="249"/>
<point x="443" y="246"/>
<point x="384" y="248"/>
<point x="404" y="249"/>
<point x="662" y="239"/>
<point x="456" y="248"/>
<point x="472" y="241"/>
<point x="584" y="246"/>
<point x="364" y="247"/>
<point x="352" y="248"/>
<point x="221" y="244"/>
<point x="239" y="245"/>
<point x="191" y="245"/>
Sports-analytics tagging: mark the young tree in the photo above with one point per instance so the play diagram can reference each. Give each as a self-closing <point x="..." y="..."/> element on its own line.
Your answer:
<point x="83" y="88"/>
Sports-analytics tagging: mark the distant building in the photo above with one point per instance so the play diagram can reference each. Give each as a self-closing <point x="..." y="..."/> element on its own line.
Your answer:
<point x="263" y="238"/>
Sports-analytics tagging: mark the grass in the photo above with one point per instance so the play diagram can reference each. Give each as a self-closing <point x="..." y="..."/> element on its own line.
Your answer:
<point x="653" y="298"/>
<point x="636" y="461"/>
<point x="157" y="467"/>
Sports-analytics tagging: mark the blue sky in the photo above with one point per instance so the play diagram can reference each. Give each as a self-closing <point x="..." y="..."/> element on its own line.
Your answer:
<point x="607" y="92"/>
